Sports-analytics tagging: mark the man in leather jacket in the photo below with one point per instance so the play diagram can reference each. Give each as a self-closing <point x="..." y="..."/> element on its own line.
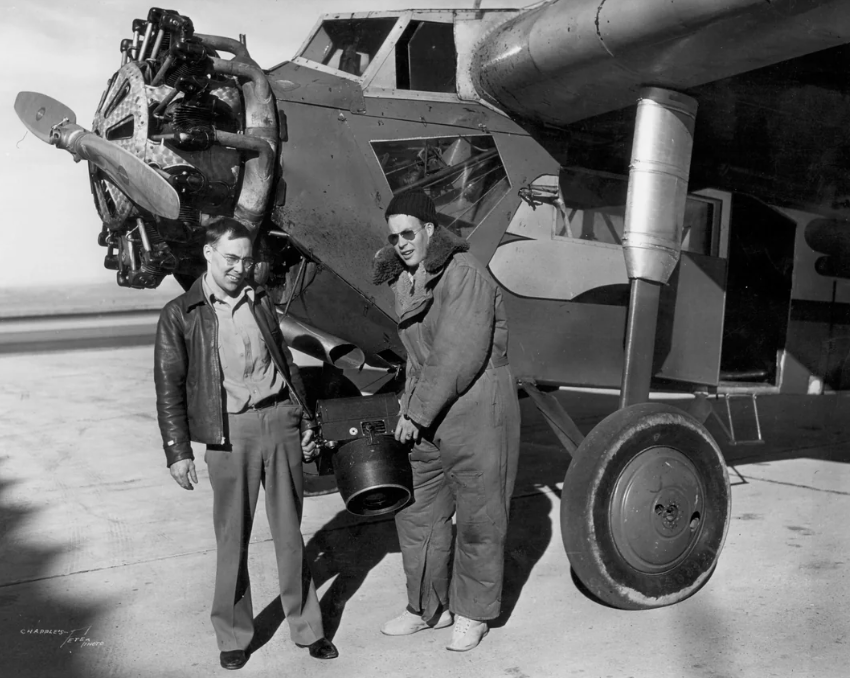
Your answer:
<point x="225" y="377"/>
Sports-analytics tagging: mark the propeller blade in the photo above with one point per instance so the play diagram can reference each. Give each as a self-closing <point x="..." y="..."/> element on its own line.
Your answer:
<point x="40" y="113"/>
<point x="142" y="184"/>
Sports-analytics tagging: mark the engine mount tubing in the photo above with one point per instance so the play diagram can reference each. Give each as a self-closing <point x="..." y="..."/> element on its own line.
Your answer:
<point x="658" y="183"/>
<point x="640" y="342"/>
<point x="260" y="126"/>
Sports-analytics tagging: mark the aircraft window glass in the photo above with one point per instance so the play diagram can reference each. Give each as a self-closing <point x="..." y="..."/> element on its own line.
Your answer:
<point x="605" y="224"/>
<point x="348" y="45"/>
<point x="426" y="58"/>
<point x="698" y="226"/>
<point x="595" y="209"/>
<point x="464" y="175"/>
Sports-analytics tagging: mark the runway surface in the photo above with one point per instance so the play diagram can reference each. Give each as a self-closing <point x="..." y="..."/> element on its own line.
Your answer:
<point x="97" y="315"/>
<point x="107" y="565"/>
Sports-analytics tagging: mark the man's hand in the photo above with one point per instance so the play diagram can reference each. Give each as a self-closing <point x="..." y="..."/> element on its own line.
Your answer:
<point x="309" y="449"/>
<point x="407" y="430"/>
<point x="182" y="471"/>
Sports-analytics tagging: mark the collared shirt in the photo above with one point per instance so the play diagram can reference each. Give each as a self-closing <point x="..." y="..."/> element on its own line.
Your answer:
<point x="249" y="373"/>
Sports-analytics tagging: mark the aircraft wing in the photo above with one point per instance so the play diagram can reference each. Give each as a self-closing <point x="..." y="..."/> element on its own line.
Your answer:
<point x="565" y="61"/>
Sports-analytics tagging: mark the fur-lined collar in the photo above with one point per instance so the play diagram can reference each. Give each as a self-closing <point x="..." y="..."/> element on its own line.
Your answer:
<point x="387" y="266"/>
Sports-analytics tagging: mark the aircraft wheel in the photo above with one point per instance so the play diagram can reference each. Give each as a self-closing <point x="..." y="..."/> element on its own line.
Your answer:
<point x="645" y="507"/>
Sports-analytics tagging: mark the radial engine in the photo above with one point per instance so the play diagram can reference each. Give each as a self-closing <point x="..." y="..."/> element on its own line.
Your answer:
<point x="209" y="126"/>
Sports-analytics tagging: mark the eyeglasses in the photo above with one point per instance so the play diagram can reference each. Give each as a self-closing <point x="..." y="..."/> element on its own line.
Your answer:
<point x="408" y="234"/>
<point x="232" y="260"/>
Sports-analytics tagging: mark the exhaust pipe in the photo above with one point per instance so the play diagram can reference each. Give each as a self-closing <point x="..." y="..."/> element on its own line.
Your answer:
<point x="261" y="128"/>
<point x="319" y="345"/>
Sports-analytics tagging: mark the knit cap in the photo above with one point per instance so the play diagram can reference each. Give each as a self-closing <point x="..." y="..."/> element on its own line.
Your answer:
<point x="414" y="203"/>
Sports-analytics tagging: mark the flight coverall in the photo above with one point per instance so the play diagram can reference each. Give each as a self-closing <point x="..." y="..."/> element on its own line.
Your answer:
<point x="461" y="393"/>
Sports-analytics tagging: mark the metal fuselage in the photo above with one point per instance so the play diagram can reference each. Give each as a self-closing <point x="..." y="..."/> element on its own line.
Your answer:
<point x="561" y="266"/>
<point x="520" y="136"/>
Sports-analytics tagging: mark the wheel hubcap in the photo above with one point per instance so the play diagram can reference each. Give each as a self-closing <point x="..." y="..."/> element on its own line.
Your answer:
<point x="657" y="509"/>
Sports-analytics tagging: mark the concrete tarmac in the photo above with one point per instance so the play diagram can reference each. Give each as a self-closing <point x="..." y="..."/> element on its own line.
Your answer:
<point x="107" y="565"/>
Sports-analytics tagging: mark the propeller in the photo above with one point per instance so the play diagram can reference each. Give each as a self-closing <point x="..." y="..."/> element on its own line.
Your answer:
<point x="55" y="123"/>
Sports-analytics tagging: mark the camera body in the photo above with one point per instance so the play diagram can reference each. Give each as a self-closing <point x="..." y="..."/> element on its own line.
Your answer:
<point x="372" y="468"/>
<point x="346" y="419"/>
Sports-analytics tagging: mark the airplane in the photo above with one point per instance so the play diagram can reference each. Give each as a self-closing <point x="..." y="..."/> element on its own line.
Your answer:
<point x="659" y="188"/>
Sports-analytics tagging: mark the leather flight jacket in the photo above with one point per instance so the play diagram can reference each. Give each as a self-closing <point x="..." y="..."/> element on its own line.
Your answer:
<point x="187" y="372"/>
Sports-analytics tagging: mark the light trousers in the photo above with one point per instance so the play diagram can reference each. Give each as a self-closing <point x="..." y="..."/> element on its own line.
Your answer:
<point x="265" y="448"/>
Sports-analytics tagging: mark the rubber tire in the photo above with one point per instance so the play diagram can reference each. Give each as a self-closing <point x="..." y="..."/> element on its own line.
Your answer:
<point x="586" y="506"/>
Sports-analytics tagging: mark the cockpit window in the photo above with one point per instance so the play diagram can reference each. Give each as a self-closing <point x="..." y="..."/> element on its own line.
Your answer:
<point x="464" y="175"/>
<point x="426" y="58"/>
<point x="348" y="45"/>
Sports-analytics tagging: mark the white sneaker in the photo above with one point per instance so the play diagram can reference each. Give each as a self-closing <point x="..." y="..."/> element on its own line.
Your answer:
<point x="466" y="634"/>
<point x="407" y="623"/>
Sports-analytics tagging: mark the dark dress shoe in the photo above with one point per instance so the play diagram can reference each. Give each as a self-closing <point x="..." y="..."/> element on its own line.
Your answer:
<point x="322" y="649"/>
<point x="234" y="659"/>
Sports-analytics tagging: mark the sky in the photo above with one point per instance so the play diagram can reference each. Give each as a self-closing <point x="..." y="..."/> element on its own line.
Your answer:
<point x="68" y="50"/>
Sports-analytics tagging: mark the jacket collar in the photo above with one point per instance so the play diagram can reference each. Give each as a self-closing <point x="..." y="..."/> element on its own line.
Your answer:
<point x="387" y="265"/>
<point x="195" y="294"/>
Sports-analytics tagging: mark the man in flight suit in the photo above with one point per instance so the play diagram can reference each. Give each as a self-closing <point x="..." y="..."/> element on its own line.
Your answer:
<point x="460" y="408"/>
<point x="225" y="377"/>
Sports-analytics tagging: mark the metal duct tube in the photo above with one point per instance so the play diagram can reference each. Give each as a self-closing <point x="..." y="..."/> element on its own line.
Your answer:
<point x="655" y="210"/>
<point x="223" y="44"/>
<point x="261" y="124"/>
<point x="658" y="183"/>
<point x="320" y="345"/>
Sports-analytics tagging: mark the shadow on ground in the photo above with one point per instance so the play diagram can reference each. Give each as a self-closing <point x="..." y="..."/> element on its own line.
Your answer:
<point x="348" y="548"/>
<point x="792" y="426"/>
<point x="44" y="635"/>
